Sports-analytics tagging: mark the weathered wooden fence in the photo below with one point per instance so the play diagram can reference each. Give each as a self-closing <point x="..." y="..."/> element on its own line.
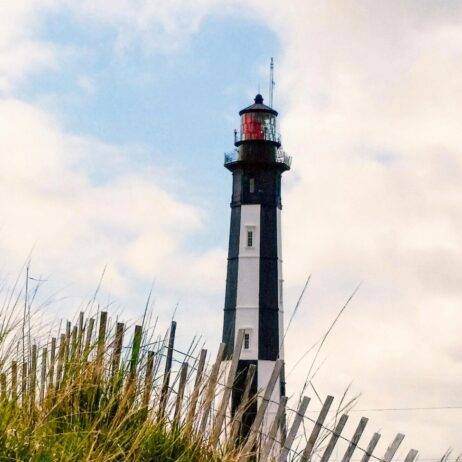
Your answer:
<point x="196" y="395"/>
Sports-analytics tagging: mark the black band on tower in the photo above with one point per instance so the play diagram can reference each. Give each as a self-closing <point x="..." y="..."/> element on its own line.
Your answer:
<point x="268" y="322"/>
<point x="231" y="282"/>
<point x="238" y="390"/>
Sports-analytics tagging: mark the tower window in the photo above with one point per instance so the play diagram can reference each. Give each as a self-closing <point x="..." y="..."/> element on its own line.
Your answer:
<point x="249" y="238"/>
<point x="246" y="341"/>
<point x="252" y="185"/>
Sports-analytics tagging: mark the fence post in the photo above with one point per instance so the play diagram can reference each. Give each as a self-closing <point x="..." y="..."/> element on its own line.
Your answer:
<point x="294" y="429"/>
<point x="43" y="374"/>
<point x="101" y="346"/>
<point x="68" y="340"/>
<point x="148" y="380"/>
<point x="221" y="413"/>
<point x="248" y="446"/>
<point x="195" y="393"/>
<point x="33" y="375"/>
<point x="51" y="370"/>
<point x="24" y="384"/>
<point x="180" y="395"/>
<point x="237" y="421"/>
<point x="212" y="382"/>
<point x="317" y="428"/>
<point x="117" y="352"/>
<point x="81" y="332"/>
<point x="91" y="325"/>
<point x="334" y="438"/>
<point x="370" y="447"/>
<point x="168" y="367"/>
<point x="354" y="442"/>
<point x="411" y="455"/>
<point x="136" y="349"/>
<point x="61" y="352"/>
<point x="74" y="343"/>
<point x="391" y="451"/>
<point x="266" y="452"/>
<point x="134" y="359"/>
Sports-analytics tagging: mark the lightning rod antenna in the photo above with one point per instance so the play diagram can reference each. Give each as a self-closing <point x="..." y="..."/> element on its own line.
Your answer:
<point x="271" y="83"/>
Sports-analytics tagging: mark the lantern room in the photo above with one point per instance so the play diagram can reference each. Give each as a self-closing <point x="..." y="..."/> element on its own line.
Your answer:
<point x="258" y="122"/>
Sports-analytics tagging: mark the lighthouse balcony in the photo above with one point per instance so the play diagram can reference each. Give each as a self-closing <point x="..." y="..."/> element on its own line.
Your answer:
<point x="281" y="158"/>
<point x="231" y="157"/>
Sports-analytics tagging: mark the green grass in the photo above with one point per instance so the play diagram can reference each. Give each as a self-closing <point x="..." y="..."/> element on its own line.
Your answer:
<point x="85" y="410"/>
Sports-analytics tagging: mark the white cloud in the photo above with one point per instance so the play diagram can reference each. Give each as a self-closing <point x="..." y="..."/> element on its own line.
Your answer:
<point x="149" y="24"/>
<point x="371" y="113"/>
<point x="49" y="200"/>
<point x="21" y="53"/>
<point x="371" y="96"/>
<point x="146" y="24"/>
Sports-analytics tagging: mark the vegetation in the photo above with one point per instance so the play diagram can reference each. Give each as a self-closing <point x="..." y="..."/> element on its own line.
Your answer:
<point x="88" y="395"/>
<point x="98" y="392"/>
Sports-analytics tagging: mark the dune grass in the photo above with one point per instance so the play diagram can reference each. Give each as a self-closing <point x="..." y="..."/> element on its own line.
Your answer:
<point x="99" y="391"/>
<point x="80" y="397"/>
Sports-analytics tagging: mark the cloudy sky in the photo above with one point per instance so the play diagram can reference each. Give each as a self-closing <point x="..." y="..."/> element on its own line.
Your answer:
<point x="114" y="116"/>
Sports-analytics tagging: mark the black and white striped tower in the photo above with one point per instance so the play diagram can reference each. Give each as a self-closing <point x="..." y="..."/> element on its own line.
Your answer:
<point x="254" y="276"/>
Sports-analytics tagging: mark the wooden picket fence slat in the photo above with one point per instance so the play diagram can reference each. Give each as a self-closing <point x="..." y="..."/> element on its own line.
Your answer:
<point x="334" y="438"/>
<point x="195" y="393"/>
<point x="221" y="413"/>
<point x="210" y="390"/>
<point x="354" y="442"/>
<point x="391" y="451"/>
<point x="180" y="393"/>
<point x="148" y="379"/>
<point x="316" y="430"/>
<point x="117" y="350"/>
<point x="33" y="376"/>
<point x="411" y="455"/>
<point x="43" y="374"/>
<point x="370" y="447"/>
<point x="101" y="344"/>
<point x="88" y="339"/>
<point x="275" y="426"/>
<point x="244" y="404"/>
<point x="168" y="367"/>
<point x="51" y="369"/>
<point x="249" y="444"/>
<point x="135" y="356"/>
<point x="24" y="384"/>
<point x="81" y="332"/>
<point x="294" y="428"/>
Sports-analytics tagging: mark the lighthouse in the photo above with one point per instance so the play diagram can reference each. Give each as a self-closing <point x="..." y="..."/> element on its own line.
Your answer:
<point x="254" y="283"/>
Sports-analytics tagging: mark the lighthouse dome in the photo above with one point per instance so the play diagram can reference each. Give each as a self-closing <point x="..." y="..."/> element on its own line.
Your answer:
<point x="258" y="106"/>
<point x="258" y="123"/>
